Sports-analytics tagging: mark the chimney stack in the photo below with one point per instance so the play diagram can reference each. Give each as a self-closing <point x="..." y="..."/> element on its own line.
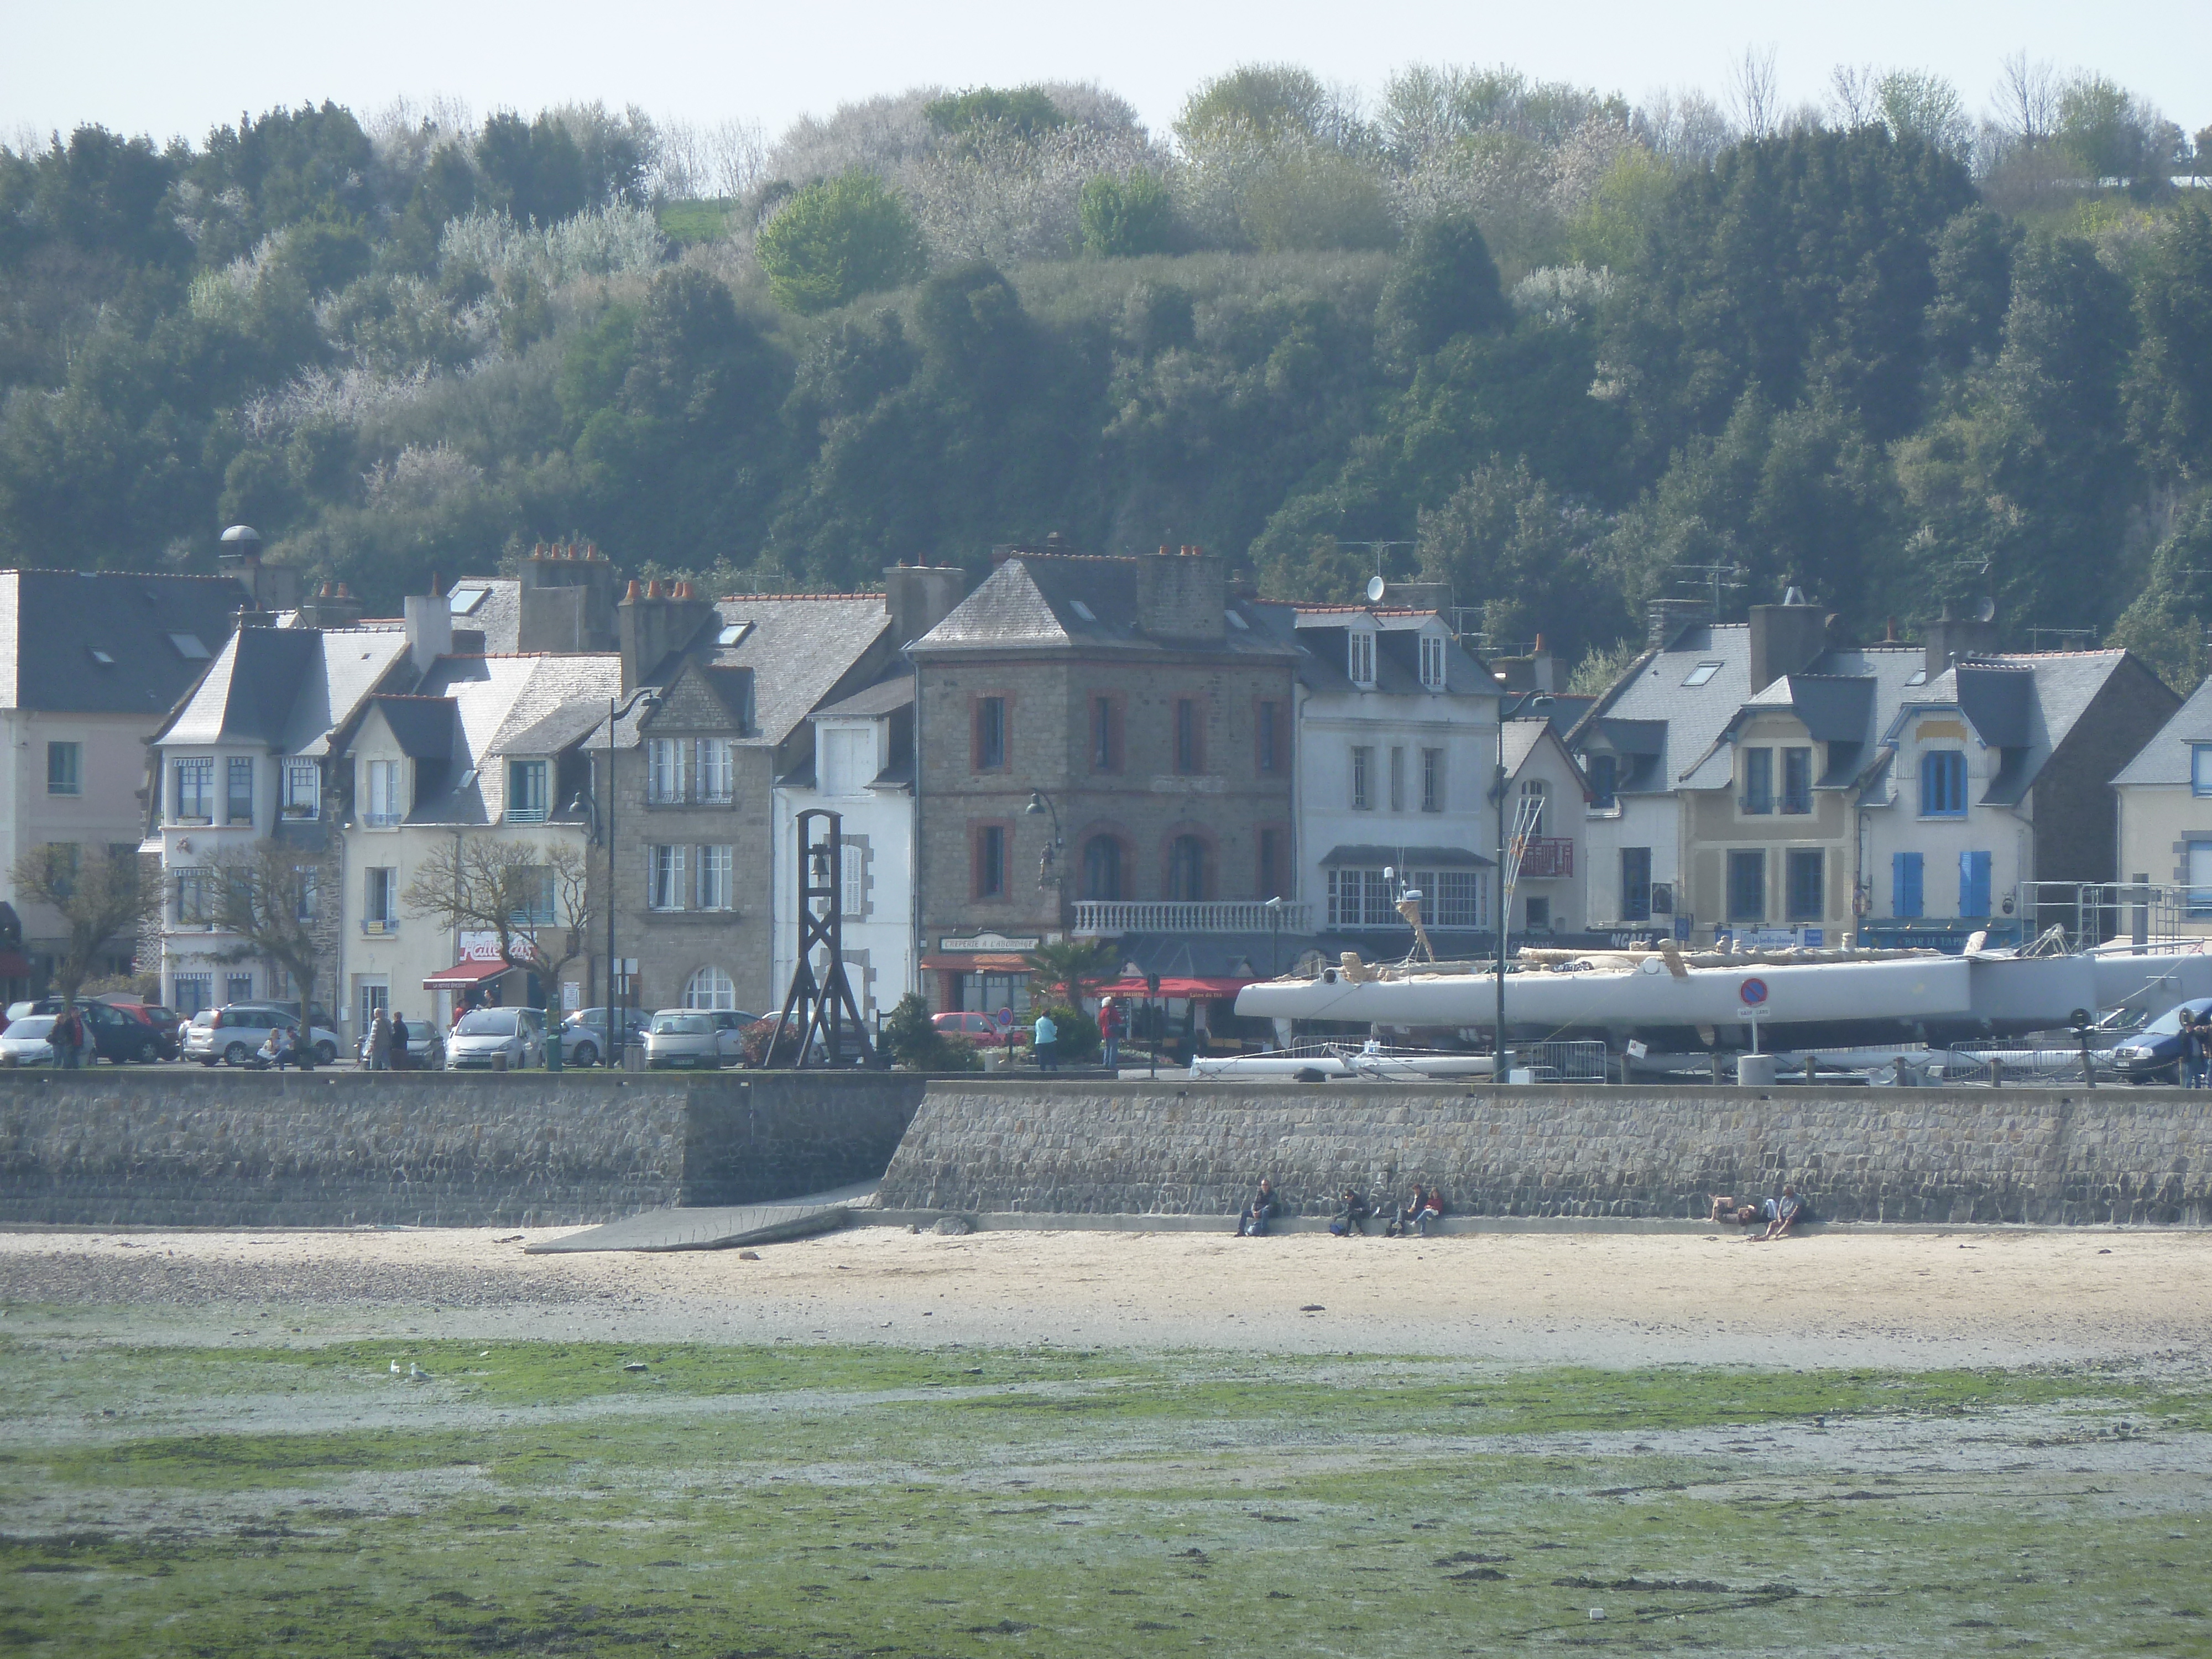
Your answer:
<point x="430" y="630"/>
<point x="1666" y="619"/>
<point x="654" y="621"/>
<point x="1182" y="596"/>
<point x="331" y="605"/>
<point x="567" y="597"/>
<point x="1785" y="639"/>
<point x="1949" y="638"/>
<point x="919" y="597"/>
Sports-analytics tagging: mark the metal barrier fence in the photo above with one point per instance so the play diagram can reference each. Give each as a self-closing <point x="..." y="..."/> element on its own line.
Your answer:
<point x="1566" y="1062"/>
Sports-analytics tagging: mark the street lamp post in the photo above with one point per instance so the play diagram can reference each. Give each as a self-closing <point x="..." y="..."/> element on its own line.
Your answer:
<point x="616" y="1032"/>
<point x="1048" y="865"/>
<point x="1274" y="909"/>
<point x="1531" y="700"/>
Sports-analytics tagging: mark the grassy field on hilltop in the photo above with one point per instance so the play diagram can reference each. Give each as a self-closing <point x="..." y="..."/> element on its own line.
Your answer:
<point x="541" y="1498"/>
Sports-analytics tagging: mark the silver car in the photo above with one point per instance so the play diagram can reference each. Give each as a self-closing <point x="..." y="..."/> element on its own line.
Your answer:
<point x="700" y="1039"/>
<point x="482" y="1035"/>
<point x="233" y="1036"/>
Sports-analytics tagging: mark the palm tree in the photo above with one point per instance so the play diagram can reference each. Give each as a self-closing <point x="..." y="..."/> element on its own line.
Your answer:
<point x="1070" y="968"/>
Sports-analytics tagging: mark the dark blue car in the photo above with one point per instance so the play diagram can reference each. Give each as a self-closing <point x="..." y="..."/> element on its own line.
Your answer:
<point x="2154" y="1053"/>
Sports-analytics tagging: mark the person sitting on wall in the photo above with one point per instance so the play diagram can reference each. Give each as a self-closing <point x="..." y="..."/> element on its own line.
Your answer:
<point x="1782" y="1214"/>
<point x="1263" y="1209"/>
<point x="1402" y="1223"/>
<point x="276" y="1050"/>
<point x="1352" y="1213"/>
<point x="1431" y="1210"/>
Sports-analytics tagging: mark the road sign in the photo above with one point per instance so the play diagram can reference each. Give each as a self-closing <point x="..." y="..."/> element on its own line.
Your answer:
<point x="1752" y="991"/>
<point x="1005" y="1017"/>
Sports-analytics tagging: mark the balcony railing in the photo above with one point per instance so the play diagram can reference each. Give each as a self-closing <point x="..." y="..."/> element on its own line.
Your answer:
<point x="1547" y="855"/>
<point x="1109" y="919"/>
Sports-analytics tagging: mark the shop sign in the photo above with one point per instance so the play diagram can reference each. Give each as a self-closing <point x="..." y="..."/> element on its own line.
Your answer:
<point x="984" y="942"/>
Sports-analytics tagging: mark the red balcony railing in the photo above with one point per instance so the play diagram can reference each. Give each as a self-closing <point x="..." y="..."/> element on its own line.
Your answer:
<point x="1547" y="855"/>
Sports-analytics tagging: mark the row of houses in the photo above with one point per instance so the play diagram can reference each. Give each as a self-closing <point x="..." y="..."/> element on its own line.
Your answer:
<point x="1137" y="750"/>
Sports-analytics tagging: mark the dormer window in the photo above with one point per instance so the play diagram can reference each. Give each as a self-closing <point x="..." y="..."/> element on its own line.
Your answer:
<point x="1361" y="667"/>
<point x="2200" y="768"/>
<point x="303" y="789"/>
<point x="1432" y="661"/>
<point x="385" y="807"/>
<point x="526" y="792"/>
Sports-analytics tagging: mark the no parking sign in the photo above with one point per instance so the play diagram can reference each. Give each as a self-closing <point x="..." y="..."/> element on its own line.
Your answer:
<point x="1753" y="992"/>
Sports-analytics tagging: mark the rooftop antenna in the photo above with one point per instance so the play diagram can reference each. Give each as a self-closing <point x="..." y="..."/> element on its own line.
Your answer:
<point x="1377" y="586"/>
<point x="1728" y="577"/>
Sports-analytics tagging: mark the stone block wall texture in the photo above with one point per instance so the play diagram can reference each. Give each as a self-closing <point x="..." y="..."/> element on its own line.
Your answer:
<point x="2111" y="1155"/>
<point x="340" y="1148"/>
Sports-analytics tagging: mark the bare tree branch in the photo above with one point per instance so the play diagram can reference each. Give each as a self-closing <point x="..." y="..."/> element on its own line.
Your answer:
<point x="533" y="898"/>
<point x="102" y="895"/>
<point x="1756" y="94"/>
<point x="267" y="895"/>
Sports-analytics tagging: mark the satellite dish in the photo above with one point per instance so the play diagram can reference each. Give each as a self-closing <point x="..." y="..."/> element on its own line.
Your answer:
<point x="1376" y="588"/>
<point x="1985" y="608"/>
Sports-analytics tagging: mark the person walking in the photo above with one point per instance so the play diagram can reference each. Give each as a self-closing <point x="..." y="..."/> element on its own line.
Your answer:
<point x="395" y="1046"/>
<point x="1044" y="1042"/>
<point x="379" y="1043"/>
<point x="1109" y="1031"/>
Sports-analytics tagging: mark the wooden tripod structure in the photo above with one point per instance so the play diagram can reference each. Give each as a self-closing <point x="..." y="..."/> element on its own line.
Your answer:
<point x="818" y="1010"/>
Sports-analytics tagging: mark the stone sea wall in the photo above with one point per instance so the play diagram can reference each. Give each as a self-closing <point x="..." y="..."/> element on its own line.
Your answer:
<point x="106" y="1147"/>
<point x="1924" y="1155"/>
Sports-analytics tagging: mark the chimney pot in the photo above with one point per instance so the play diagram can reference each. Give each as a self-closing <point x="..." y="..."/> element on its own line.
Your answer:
<point x="636" y="593"/>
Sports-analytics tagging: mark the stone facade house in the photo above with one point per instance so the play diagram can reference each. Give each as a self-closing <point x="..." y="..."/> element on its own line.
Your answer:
<point x="1105" y="748"/>
<point x="700" y="876"/>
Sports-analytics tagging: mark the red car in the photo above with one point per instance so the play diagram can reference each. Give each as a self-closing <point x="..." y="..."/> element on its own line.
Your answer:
<point x="981" y="1030"/>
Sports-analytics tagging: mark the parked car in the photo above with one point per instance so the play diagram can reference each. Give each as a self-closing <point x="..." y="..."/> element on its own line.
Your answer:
<point x="702" y="1039"/>
<point x="164" y="1022"/>
<point x="231" y="1036"/>
<point x="24" y="1043"/>
<point x="426" y="1048"/>
<point x="2154" y="1053"/>
<point x="482" y="1035"/>
<point x="117" y="1035"/>
<point x="584" y="1034"/>
<point x="979" y="1029"/>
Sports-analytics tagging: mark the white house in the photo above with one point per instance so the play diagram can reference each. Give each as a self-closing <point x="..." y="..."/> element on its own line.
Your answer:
<point x="2165" y="818"/>
<point x="1396" y="733"/>
<point x="862" y="769"/>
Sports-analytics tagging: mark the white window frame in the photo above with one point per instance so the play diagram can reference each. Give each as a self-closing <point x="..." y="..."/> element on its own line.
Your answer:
<point x="853" y="874"/>
<point x="200" y="768"/>
<point x="712" y="884"/>
<point x="540" y="773"/>
<point x="664" y="770"/>
<point x="2200" y="768"/>
<point x="1363" y="777"/>
<point x="664" y="878"/>
<point x="1360" y="662"/>
<point x="714" y="761"/>
<point x="379" y="917"/>
<point x="1432" y="780"/>
<point x="711" y="988"/>
<point x="383" y="811"/>
<point x="1432" y="661"/>
<point x="303" y="788"/>
<point x="72" y="786"/>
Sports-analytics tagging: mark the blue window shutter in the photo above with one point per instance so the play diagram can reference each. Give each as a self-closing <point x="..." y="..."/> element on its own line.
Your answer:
<point x="1973" y="883"/>
<point x="1905" y="883"/>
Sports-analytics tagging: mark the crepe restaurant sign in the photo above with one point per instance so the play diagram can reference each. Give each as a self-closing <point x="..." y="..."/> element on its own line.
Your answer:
<point x="998" y="942"/>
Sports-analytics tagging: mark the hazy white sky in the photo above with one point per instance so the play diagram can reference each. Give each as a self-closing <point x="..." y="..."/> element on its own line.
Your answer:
<point x="167" y="68"/>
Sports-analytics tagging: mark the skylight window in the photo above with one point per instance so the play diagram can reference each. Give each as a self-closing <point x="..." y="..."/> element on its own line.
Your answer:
<point x="100" y="656"/>
<point x="733" y="634"/>
<point x="1918" y="677"/>
<point x="1701" y="673"/>
<point x="1082" y="610"/>
<point x="188" y="645"/>
<point x="465" y="597"/>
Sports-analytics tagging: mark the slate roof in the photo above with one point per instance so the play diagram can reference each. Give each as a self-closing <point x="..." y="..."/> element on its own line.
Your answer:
<point x="2167" y="757"/>
<point x="797" y="650"/>
<point x="52" y="622"/>
<point x="1029" y="602"/>
<point x="2025" y="705"/>
<point x="422" y="726"/>
<point x="1321" y="635"/>
<point x="883" y="698"/>
<point x="495" y="620"/>
<point x="288" y="688"/>
<point x="522" y="705"/>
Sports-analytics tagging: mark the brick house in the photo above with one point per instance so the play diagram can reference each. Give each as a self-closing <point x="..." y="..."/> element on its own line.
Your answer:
<point x="1147" y="715"/>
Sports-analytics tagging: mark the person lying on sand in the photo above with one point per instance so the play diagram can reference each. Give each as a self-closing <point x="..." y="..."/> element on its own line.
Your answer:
<point x="1782" y="1215"/>
<point x="1726" y="1208"/>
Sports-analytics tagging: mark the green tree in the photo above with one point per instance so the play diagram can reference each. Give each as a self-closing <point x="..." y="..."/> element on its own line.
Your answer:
<point x="916" y="1044"/>
<point x="2170" y="385"/>
<point x="1029" y="110"/>
<point x="836" y="241"/>
<point x="1442" y="283"/>
<point x="1127" y="216"/>
<point x="2165" y="625"/>
<point x="1068" y="969"/>
<point x="103" y="899"/>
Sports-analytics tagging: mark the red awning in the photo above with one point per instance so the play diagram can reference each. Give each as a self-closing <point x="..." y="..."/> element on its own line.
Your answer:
<point x="462" y="974"/>
<point x="1177" y="988"/>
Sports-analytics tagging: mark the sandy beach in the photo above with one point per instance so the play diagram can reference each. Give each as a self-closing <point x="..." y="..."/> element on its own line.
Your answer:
<point x="1916" y="1300"/>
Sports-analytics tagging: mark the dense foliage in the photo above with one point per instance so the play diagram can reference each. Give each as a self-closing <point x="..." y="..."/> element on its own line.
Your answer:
<point x="1565" y="353"/>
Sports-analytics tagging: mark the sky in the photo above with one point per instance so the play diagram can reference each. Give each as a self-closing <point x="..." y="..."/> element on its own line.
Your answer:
<point x="168" y="69"/>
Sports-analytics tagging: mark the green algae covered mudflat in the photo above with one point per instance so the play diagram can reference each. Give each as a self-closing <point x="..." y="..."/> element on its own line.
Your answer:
<point x="789" y="1499"/>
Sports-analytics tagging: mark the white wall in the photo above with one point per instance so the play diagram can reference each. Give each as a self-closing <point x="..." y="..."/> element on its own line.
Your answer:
<point x="2005" y="832"/>
<point x="878" y="934"/>
<point x="1653" y="822"/>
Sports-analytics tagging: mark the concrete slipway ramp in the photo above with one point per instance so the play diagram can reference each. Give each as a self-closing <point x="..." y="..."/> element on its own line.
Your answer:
<point x="719" y="1228"/>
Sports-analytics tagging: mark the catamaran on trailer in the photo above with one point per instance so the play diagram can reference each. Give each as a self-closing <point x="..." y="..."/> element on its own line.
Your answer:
<point x="1676" y="1000"/>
